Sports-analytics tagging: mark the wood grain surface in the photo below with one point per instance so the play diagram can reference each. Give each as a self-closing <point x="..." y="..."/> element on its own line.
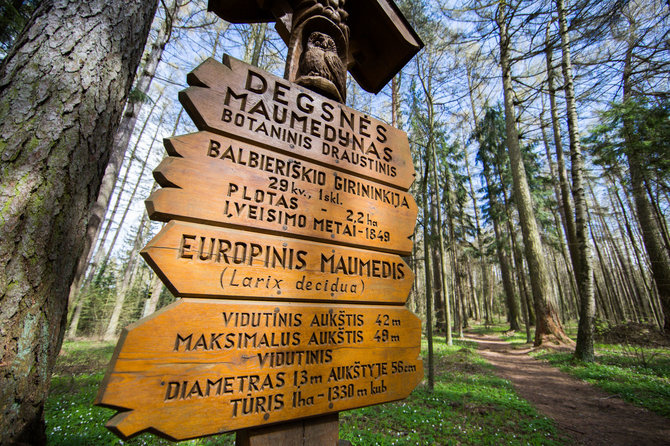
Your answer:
<point x="321" y="430"/>
<point x="215" y="180"/>
<point x="243" y="102"/>
<point x="202" y="261"/>
<point x="200" y="367"/>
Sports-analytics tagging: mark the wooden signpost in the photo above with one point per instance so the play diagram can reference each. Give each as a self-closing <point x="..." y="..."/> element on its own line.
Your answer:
<point x="258" y="363"/>
<point x="203" y="261"/>
<point x="286" y="215"/>
<point x="243" y="102"/>
<point x="216" y="180"/>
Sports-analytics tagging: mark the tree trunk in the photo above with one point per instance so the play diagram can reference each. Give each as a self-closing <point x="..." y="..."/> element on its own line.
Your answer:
<point x="584" y="274"/>
<point x="62" y="90"/>
<point x="564" y="212"/>
<point x="547" y="323"/>
<point x="523" y="289"/>
<point x="438" y="301"/>
<point x="443" y="261"/>
<point x="518" y="270"/>
<point x="152" y="302"/>
<point x="640" y="260"/>
<point x="413" y="302"/>
<point x="658" y="216"/>
<point x="476" y="301"/>
<point x="429" y="291"/>
<point x="395" y="100"/>
<point x="124" y="285"/>
<point x="567" y="210"/>
<point x="259" y="40"/>
<point x="651" y="237"/>
<point x="503" y="260"/>
<point x="456" y="291"/>
<point x="480" y="244"/>
<point x="436" y="193"/>
<point x="651" y="234"/>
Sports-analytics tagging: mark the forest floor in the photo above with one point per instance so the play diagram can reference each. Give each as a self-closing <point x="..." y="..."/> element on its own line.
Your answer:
<point x="588" y="415"/>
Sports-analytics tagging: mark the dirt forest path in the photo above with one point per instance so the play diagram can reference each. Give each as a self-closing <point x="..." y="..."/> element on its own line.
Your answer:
<point x="587" y="415"/>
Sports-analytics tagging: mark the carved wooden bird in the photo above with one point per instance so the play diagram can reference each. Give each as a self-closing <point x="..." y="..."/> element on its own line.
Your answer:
<point x="320" y="59"/>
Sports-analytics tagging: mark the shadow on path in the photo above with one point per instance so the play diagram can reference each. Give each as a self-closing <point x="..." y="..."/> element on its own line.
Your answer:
<point x="588" y="415"/>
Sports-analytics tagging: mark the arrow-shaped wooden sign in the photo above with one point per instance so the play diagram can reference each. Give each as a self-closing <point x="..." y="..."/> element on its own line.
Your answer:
<point x="215" y="180"/>
<point x="203" y="261"/>
<point x="200" y="367"/>
<point x="243" y="102"/>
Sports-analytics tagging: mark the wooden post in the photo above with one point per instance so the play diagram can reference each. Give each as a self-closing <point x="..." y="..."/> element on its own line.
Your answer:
<point x="308" y="432"/>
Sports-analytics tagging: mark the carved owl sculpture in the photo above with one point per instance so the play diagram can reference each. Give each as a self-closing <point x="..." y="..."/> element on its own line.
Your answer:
<point x="320" y="60"/>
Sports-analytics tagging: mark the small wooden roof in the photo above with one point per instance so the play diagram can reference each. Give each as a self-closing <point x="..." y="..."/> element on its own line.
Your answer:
<point x="381" y="41"/>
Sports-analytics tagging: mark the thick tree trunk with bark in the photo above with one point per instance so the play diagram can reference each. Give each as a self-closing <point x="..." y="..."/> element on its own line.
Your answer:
<point x="547" y="321"/>
<point x="516" y="267"/>
<point x="62" y="90"/>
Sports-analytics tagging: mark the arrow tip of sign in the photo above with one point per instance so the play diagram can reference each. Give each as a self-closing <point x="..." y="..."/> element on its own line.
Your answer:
<point x="129" y="424"/>
<point x="168" y="143"/>
<point x="193" y="80"/>
<point x="126" y="424"/>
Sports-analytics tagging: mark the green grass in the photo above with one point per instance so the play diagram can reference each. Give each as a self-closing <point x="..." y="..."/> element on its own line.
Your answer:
<point x="469" y="406"/>
<point x="638" y="375"/>
<point x="71" y="418"/>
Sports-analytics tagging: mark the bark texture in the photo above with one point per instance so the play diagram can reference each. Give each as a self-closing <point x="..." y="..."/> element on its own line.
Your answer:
<point x="62" y="91"/>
